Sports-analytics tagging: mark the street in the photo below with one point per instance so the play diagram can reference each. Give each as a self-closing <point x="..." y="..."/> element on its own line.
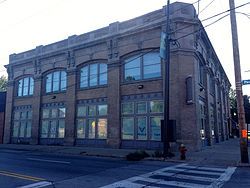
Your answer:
<point x="20" y="168"/>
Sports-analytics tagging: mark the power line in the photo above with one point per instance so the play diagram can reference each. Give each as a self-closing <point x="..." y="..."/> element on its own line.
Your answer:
<point x="206" y="6"/>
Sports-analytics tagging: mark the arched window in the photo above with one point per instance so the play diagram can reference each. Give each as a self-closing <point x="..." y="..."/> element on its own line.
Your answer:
<point x="56" y="81"/>
<point x="25" y="87"/>
<point x="142" y="66"/>
<point x="93" y="75"/>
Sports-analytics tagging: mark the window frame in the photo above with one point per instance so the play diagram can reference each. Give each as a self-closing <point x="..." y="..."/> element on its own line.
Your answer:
<point x="30" y="87"/>
<point x="141" y="66"/>
<point x="51" y="119"/>
<point x="98" y="75"/>
<point x="60" y="81"/>
<point x="136" y="116"/>
<point x="87" y="117"/>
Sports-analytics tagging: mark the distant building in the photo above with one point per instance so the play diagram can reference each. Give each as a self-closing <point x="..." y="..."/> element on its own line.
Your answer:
<point x="2" y="114"/>
<point x="105" y="88"/>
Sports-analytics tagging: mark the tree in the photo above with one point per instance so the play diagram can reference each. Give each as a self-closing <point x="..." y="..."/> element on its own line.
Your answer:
<point x="3" y="83"/>
<point x="233" y="105"/>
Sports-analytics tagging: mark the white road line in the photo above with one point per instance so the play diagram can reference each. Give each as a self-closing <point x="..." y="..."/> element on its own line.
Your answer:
<point x="224" y="177"/>
<point x="50" y="161"/>
<point x="197" y="172"/>
<point x="205" y="168"/>
<point x="188" y="177"/>
<point x="37" y="185"/>
<point x="124" y="183"/>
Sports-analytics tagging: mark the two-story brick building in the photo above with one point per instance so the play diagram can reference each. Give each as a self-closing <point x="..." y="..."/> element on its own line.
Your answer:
<point x="105" y="88"/>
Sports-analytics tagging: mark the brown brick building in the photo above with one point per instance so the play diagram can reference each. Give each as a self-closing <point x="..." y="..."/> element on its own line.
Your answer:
<point x="2" y="113"/>
<point x="105" y="88"/>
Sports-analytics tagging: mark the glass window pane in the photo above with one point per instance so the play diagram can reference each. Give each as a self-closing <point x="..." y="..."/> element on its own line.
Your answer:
<point x="156" y="106"/>
<point x="25" y="86"/>
<point x="93" y="75"/>
<point x="15" y="129"/>
<point x="45" y="129"/>
<point x="81" y="128"/>
<point x="92" y="110"/>
<point x="16" y="115"/>
<point x="91" y="126"/>
<point x="103" y="79"/>
<point x="133" y="62"/>
<point x="23" y="115"/>
<point x="103" y="68"/>
<point x="31" y="90"/>
<point x="141" y="107"/>
<point x="84" y="77"/>
<point x="20" y="87"/>
<point x="29" y="114"/>
<point x="28" y="129"/>
<point x="151" y="59"/>
<point x="61" y="129"/>
<point x="132" y="74"/>
<point x="102" y="128"/>
<point x="142" y="128"/>
<point x="48" y="83"/>
<point x="128" y="128"/>
<point x="56" y="77"/>
<point x="128" y="108"/>
<point x="152" y="71"/>
<point x="93" y="80"/>
<point x="46" y="113"/>
<point x="62" y="112"/>
<point x="54" y="113"/>
<point x="81" y="111"/>
<point x="155" y="123"/>
<point x="102" y="110"/>
<point x="52" y="133"/>
<point x="103" y="74"/>
<point x="63" y="81"/>
<point x="22" y="129"/>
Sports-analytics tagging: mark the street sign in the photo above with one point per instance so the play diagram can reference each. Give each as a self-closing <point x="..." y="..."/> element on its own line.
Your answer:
<point x="245" y="82"/>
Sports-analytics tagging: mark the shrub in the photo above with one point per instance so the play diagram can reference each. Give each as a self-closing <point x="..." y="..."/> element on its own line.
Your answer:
<point x="136" y="156"/>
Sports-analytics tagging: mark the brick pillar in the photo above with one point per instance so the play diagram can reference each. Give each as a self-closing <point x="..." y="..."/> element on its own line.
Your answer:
<point x="8" y="112"/>
<point x="114" y="124"/>
<point x="70" y="102"/>
<point x="36" y="110"/>
<point x="207" y="125"/>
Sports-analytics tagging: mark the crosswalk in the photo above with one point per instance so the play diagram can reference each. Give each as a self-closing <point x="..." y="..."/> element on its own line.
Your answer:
<point x="182" y="175"/>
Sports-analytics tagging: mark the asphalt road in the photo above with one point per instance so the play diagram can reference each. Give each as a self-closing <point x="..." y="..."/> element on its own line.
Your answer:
<point x="20" y="168"/>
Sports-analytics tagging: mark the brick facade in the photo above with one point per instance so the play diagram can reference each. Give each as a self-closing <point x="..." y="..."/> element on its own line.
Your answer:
<point x="112" y="45"/>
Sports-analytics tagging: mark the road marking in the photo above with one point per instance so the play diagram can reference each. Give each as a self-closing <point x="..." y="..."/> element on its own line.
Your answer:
<point x="50" y="161"/>
<point x="20" y="176"/>
<point x="37" y="185"/>
<point x="181" y="175"/>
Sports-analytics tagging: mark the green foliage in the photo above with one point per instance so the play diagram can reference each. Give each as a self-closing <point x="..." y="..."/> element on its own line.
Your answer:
<point x="158" y="154"/>
<point x="136" y="156"/>
<point x="3" y="83"/>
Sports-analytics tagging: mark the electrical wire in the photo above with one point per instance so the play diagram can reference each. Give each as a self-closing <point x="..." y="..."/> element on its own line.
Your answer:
<point x="73" y="85"/>
<point x="206" y="6"/>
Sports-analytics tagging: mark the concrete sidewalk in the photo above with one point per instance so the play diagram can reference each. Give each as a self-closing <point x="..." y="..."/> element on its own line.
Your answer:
<point x="226" y="153"/>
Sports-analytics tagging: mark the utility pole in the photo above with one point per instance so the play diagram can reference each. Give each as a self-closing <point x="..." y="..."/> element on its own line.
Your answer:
<point x="166" y="88"/>
<point x="238" y="84"/>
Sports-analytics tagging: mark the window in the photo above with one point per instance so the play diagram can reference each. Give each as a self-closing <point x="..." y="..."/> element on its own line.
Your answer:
<point x="201" y="74"/>
<point x="56" y="82"/>
<point x="92" y="121"/>
<point x="141" y="120"/>
<point x="142" y="66"/>
<point x="25" y="87"/>
<point x="22" y="124"/>
<point x="53" y="122"/>
<point x="93" y="75"/>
